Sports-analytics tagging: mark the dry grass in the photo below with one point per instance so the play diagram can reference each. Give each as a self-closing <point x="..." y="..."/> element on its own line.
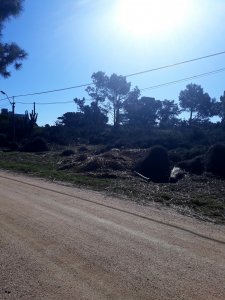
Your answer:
<point x="199" y="196"/>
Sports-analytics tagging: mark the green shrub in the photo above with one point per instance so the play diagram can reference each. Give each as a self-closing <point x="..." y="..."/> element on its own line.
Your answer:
<point x="3" y="140"/>
<point x="196" y="151"/>
<point x="178" y="154"/>
<point x="197" y="134"/>
<point x="195" y="165"/>
<point x="156" y="165"/>
<point x="36" y="145"/>
<point x="82" y="149"/>
<point x="81" y="157"/>
<point x="67" y="152"/>
<point x="13" y="146"/>
<point x="215" y="160"/>
<point x="96" y="140"/>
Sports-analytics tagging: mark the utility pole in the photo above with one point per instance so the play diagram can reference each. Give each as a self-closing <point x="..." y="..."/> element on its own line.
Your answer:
<point x="13" y="120"/>
<point x="13" y="114"/>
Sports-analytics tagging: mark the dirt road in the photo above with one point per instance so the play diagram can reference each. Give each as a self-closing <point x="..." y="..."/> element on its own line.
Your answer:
<point x="59" y="242"/>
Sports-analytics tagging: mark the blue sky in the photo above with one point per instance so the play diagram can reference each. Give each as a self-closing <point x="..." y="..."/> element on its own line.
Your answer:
<point x="69" y="40"/>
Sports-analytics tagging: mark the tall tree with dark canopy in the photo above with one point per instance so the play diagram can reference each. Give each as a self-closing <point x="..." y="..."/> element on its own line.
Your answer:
<point x="9" y="53"/>
<point x="94" y="118"/>
<point x="118" y="91"/>
<point x="115" y="89"/>
<point x="88" y="122"/>
<point x="221" y="108"/>
<point x="98" y="91"/>
<point x="196" y="102"/>
<point x="142" y="113"/>
<point x="168" y="113"/>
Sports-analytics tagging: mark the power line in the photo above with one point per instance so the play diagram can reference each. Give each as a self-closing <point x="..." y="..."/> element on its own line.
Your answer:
<point x="4" y="100"/>
<point x="53" y="91"/>
<point x="143" y="89"/>
<point x="183" y="79"/>
<point x="175" y="64"/>
<point x="45" y="103"/>
<point x="5" y="106"/>
<point x="48" y="103"/>
<point x="129" y="75"/>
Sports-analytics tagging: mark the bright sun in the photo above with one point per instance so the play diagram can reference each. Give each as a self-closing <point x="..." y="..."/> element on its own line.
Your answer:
<point x="143" y="18"/>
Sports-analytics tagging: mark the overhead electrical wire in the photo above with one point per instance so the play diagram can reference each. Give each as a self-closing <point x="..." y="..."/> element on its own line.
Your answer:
<point x="134" y="74"/>
<point x="143" y="89"/>
<point x="5" y="106"/>
<point x="183" y="79"/>
<point x="44" y="103"/>
<point x="53" y="91"/>
<point x="129" y="75"/>
<point x="175" y="64"/>
<point x="48" y="103"/>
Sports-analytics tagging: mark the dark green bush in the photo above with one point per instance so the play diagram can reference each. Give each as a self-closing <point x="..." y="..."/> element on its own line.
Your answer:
<point x="196" y="151"/>
<point x="215" y="160"/>
<point x="156" y="165"/>
<point x="96" y="140"/>
<point x="3" y="140"/>
<point x="178" y="154"/>
<point x="82" y="149"/>
<point x="36" y="145"/>
<point x="81" y="157"/>
<point x="13" y="146"/>
<point x="67" y="152"/>
<point x="195" y="165"/>
<point x="197" y="134"/>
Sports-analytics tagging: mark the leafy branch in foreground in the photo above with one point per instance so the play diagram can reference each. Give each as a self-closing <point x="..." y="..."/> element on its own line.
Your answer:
<point x="10" y="54"/>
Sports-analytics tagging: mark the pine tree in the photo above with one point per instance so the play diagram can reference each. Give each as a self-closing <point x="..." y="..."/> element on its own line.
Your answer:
<point x="10" y="54"/>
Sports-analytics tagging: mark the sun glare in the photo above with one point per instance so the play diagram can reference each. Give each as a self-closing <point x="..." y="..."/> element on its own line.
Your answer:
<point x="143" y="18"/>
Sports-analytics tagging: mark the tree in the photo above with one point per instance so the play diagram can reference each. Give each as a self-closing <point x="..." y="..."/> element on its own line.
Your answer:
<point x="71" y="120"/>
<point x="98" y="91"/>
<point x="168" y="113"/>
<point x="221" y="108"/>
<point x="195" y="101"/>
<point x="115" y="88"/>
<point x="130" y="107"/>
<point x="5" y="122"/>
<point x="88" y="122"/>
<point x="143" y="112"/>
<point x="118" y="90"/>
<point x="9" y="53"/>
<point x="94" y="119"/>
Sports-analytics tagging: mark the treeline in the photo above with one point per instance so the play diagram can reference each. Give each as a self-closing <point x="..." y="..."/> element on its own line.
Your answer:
<point x="116" y="115"/>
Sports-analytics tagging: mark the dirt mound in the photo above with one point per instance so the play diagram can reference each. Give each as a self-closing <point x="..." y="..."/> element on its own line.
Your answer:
<point x="111" y="163"/>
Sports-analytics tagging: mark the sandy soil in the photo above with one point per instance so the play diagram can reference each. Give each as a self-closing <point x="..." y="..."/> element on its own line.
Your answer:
<point x="59" y="242"/>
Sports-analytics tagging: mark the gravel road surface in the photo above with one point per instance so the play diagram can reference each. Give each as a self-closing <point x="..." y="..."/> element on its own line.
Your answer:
<point x="61" y="242"/>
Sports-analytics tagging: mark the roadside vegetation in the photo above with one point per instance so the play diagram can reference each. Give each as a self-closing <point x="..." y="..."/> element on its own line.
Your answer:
<point x="121" y="141"/>
<point x="128" y="145"/>
<point x="112" y="171"/>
